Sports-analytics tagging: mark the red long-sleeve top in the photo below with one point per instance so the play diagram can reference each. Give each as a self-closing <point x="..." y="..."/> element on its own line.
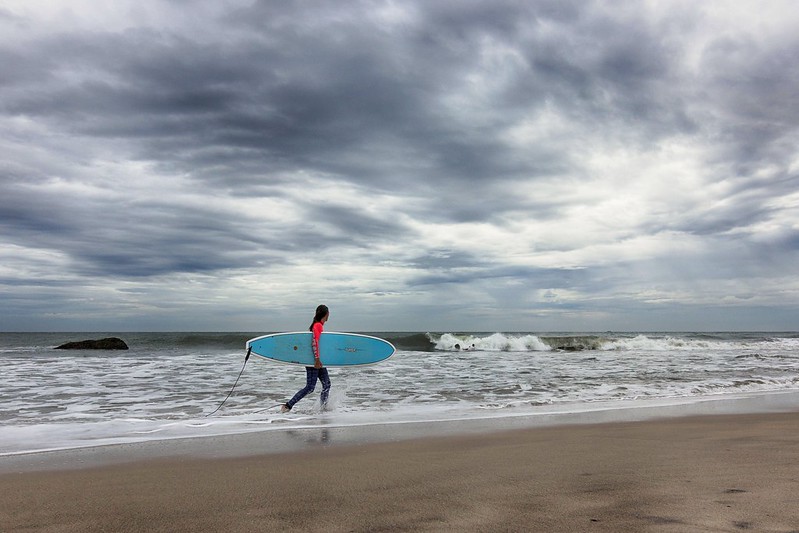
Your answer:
<point x="317" y="330"/>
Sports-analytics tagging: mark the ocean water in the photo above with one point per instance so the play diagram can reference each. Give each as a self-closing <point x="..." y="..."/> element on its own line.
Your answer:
<point x="168" y="384"/>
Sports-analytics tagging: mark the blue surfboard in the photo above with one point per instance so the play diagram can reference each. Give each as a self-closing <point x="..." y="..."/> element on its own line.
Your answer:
<point x="335" y="349"/>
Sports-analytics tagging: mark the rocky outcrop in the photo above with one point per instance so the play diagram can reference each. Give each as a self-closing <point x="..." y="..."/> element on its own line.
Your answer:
<point x="111" y="343"/>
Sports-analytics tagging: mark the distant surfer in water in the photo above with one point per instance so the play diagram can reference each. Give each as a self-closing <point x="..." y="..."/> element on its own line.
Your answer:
<point x="318" y="371"/>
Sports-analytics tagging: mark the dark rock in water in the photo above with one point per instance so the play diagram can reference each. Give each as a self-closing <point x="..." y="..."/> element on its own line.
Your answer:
<point x="111" y="343"/>
<point x="570" y="348"/>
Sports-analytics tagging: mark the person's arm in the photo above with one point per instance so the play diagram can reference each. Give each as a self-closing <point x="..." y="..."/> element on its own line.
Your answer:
<point x="317" y="332"/>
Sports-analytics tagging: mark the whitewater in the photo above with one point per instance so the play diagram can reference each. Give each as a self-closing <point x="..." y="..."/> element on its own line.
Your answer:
<point x="167" y="384"/>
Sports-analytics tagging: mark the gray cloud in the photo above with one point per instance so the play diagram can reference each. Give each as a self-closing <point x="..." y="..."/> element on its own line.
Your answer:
<point x="555" y="157"/>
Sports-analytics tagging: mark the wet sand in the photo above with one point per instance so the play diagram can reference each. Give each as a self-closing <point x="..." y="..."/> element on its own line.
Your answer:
<point x="707" y="473"/>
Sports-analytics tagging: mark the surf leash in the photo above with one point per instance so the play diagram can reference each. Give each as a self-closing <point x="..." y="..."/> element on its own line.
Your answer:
<point x="269" y="408"/>
<point x="246" y="358"/>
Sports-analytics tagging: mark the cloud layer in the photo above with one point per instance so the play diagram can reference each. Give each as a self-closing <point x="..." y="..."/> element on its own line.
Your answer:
<point x="417" y="165"/>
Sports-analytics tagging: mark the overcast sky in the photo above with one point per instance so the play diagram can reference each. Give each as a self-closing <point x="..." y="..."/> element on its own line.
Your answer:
<point x="416" y="165"/>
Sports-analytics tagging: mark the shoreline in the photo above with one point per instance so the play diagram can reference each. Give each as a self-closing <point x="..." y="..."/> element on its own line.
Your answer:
<point x="326" y="433"/>
<point x="714" y="472"/>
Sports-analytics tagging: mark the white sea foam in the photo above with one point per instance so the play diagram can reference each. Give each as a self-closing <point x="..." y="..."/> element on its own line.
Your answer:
<point x="496" y="342"/>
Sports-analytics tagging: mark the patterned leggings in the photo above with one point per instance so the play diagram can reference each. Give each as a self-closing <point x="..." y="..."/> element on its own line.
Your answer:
<point x="312" y="374"/>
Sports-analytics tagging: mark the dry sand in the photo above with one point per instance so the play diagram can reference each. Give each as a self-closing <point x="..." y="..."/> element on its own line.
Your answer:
<point x="712" y="473"/>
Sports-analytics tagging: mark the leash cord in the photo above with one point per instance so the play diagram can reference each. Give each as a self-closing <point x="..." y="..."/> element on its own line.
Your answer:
<point x="246" y="358"/>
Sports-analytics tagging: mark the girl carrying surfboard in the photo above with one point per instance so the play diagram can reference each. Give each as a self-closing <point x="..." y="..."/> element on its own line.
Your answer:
<point x="318" y="371"/>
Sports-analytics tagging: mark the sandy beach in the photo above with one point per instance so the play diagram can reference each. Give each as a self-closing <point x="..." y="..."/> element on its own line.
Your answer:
<point x="707" y="473"/>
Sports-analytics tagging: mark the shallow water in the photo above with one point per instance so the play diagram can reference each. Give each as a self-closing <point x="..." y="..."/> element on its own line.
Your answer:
<point x="167" y="383"/>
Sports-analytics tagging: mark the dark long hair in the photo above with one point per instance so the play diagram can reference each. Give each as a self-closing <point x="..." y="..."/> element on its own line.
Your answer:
<point x="321" y="311"/>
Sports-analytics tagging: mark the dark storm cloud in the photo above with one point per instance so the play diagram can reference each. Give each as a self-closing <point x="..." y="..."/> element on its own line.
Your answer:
<point x="298" y="84"/>
<point x="754" y="83"/>
<point x="356" y="228"/>
<point x="294" y="85"/>
<point x="299" y="88"/>
<point x="130" y="239"/>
